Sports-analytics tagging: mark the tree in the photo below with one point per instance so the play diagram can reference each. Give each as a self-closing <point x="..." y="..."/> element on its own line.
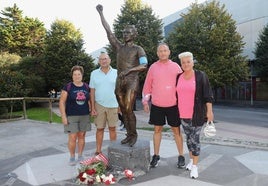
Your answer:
<point x="209" y="32"/>
<point x="21" y="35"/>
<point x="34" y="75"/>
<point x="149" y="28"/>
<point x="63" y="50"/>
<point x="11" y="82"/>
<point x="261" y="53"/>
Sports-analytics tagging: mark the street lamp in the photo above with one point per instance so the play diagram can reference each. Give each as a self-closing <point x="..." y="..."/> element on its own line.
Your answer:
<point x="251" y="75"/>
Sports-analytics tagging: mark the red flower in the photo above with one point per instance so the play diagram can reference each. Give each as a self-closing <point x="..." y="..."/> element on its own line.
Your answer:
<point x="91" y="171"/>
<point x="91" y="182"/>
<point x="129" y="174"/>
<point x="107" y="182"/>
<point x="80" y="176"/>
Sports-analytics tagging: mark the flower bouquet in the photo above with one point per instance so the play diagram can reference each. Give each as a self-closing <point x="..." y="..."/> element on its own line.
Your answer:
<point x="93" y="171"/>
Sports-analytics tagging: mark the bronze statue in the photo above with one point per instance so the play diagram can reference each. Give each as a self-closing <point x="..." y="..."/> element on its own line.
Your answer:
<point x="131" y="59"/>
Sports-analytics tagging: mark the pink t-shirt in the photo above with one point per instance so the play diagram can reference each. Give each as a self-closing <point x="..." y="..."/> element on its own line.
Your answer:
<point x="186" y="93"/>
<point x="160" y="83"/>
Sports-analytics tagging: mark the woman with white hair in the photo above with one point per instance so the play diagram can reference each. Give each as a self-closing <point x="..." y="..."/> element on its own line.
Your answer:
<point x="195" y="106"/>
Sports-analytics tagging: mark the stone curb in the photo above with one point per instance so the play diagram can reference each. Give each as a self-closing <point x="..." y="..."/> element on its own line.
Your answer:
<point x="215" y="140"/>
<point x="235" y="142"/>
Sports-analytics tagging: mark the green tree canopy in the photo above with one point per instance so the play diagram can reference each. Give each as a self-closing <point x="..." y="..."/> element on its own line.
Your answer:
<point x="21" y="35"/>
<point x="149" y="27"/>
<point x="11" y="82"/>
<point x="7" y="59"/>
<point x="209" y="32"/>
<point x="21" y="76"/>
<point x="261" y="53"/>
<point x="63" y="50"/>
<point x="34" y="75"/>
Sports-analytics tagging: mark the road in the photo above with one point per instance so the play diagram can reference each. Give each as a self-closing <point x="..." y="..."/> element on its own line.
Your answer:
<point x="236" y="115"/>
<point x="244" y="116"/>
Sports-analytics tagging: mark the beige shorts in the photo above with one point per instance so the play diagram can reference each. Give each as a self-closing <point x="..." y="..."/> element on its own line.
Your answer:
<point x="105" y="115"/>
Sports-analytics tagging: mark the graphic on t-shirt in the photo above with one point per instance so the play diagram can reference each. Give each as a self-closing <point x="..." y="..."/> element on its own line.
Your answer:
<point x="80" y="98"/>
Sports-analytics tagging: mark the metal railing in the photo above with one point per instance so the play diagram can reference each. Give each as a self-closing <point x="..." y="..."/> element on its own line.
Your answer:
<point x="39" y="99"/>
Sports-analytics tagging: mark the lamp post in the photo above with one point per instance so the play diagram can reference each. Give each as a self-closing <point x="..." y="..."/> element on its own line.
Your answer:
<point x="251" y="75"/>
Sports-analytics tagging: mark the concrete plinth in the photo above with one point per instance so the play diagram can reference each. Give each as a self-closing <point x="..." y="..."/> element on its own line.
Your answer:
<point x="126" y="157"/>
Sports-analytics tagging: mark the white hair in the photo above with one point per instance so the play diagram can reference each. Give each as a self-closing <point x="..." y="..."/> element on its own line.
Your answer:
<point x="185" y="54"/>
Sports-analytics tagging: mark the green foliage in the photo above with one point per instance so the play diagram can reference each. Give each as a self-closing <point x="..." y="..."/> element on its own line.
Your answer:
<point x="7" y="59"/>
<point x="63" y="50"/>
<point x="98" y="166"/>
<point x="149" y="27"/>
<point x="33" y="72"/>
<point x="209" y="32"/>
<point x="21" y="35"/>
<point x="261" y="53"/>
<point x="21" y="76"/>
<point x="11" y="81"/>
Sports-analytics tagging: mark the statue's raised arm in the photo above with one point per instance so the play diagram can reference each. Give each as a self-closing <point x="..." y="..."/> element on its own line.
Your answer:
<point x="111" y="37"/>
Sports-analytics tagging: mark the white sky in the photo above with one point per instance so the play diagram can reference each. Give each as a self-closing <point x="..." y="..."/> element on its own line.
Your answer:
<point x="83" y="14"/>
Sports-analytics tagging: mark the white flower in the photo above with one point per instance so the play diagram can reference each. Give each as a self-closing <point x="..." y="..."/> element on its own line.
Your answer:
<point x="103" y="176"/>
<point x="110" y="176"/>
<point x="84" y="175"/>
<point x="105" y="179"/>
<point x="98" y="179"/>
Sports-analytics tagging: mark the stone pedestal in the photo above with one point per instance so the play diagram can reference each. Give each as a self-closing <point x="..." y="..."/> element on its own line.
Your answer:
<point x="125" y="157"/>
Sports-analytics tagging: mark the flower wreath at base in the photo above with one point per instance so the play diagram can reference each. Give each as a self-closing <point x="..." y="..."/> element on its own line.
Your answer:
<point x="93" y="171"/>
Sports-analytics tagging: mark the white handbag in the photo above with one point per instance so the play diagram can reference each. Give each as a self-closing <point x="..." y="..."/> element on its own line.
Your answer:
<point x="210" y="129"/>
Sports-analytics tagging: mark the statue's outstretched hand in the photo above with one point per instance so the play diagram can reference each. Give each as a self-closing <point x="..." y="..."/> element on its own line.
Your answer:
<point x="99" y="8"/>
<point x="124" y="73"/>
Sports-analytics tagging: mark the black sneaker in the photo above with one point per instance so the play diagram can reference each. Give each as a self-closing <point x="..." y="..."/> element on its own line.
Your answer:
<point x="155" y="161"/>
<point x="181" y="162"/>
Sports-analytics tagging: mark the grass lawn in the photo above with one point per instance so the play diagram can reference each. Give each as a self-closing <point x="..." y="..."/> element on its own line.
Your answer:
<point x="165" y="129"/>
<point x="40" y="114"/>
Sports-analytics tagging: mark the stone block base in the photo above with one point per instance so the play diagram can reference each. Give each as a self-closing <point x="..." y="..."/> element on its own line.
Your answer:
<point x="125" y="157"/>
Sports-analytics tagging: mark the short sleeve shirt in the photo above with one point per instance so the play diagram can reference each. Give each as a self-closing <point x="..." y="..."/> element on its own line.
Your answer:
<point x="104" y="85"/>
<point x="77" y="100"/>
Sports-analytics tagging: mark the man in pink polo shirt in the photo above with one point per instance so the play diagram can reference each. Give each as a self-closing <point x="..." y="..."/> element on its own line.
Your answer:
<point x="160" y="87"/>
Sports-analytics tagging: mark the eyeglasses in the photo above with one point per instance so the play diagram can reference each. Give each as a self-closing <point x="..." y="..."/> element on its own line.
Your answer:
<point x="102" y="59"/>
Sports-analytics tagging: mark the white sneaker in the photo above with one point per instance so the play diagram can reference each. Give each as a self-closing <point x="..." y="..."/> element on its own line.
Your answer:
<point x="189" y="165"/>
<point x="194" y="172"/>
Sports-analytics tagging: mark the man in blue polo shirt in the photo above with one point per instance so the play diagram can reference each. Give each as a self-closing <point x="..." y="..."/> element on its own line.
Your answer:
<point x="104" y="106"/>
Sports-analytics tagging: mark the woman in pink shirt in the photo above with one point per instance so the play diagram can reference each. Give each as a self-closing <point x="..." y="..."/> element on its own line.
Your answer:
<point x="195" y="106"/>
<point x="160" y="86"/>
